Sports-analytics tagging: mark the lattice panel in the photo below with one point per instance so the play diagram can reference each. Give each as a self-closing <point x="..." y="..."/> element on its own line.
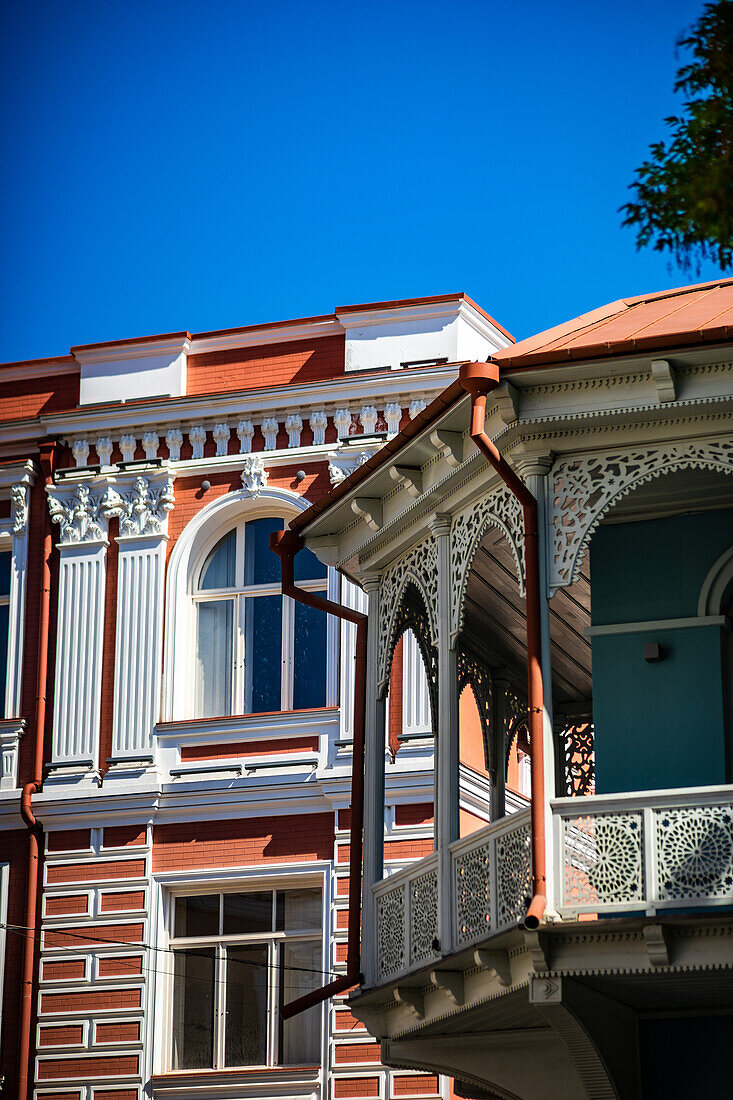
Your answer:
<point x="391" y="932"/>
<point x="473" y="673"/>
<point x="603" y="859"/>
<point x="501" y="510"/>
<point x="423" y="917"/>
<point x="472" y="881"/>
<point x="583" y="489"/>
<point x="579" y="759"/>
<point x="513" y="876"/>
<point x="694" y="852"/>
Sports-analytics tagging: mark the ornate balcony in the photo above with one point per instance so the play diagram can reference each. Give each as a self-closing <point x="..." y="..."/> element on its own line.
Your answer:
<point x="644" y="852"/>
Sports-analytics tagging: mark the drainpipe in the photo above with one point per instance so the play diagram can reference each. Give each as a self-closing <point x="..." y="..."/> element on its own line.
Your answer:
<point x="478" y="379"/>
<point x="286" y="545"/>
<point x="49" y="454"/>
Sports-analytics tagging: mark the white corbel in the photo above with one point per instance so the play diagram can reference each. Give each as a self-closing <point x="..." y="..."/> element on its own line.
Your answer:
<point x="150" y="443"/>
<point x="221" y="435"/>
<point x="506" y="399"/>
<point x="409" y="477"/>
<point x="451" y="982"/>
<point x="450" y="444"/>
<point x="665" y="380"/>
<point x="174" y="442"/>
<point x="245" y="431"/>
<point x="370" y="509"/>
<point x="197" y="439"/>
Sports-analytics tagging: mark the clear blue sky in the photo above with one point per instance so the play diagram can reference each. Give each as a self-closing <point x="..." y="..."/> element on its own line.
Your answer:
<point x="172" y="165"/>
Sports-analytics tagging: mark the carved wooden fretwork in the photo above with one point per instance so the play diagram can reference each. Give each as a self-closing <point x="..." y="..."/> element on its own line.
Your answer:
<point x="412" y="615"/>
<point x="577" y="753"/>
<point x="583" y="489"/>
<point x="418" y="569"/>
<point x="501" y="510"/>
<point x="473" y="673"/>
<point x="516" y="717"/>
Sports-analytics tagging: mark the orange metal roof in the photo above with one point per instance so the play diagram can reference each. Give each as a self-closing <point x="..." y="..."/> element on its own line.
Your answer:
<point x="672" y="318"/>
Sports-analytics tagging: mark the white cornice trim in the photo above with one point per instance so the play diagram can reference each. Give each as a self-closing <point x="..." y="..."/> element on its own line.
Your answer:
<point x="134" y="350"/>
<point x="261" y="337"/>
<point x="19" y="473"/>
<point x="51" y="368"/>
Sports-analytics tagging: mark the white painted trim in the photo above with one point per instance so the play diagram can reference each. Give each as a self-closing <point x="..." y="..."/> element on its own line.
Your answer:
<point x="106" y="353"/>
<point x="715" y="584"/>
<point x="24" y="372"/>
<point x="655" y="624"/>
<point x="261" y="337"/>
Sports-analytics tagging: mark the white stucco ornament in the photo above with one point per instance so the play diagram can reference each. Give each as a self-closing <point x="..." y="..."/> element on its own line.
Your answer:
<point x="78" y="513"/>
<point x="142" y="509"/>
<point x="254" y="475"/>
<point x="19" y="496"/>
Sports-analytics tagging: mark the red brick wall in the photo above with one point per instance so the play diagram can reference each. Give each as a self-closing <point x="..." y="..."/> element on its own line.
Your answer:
<point x="238" y="843"/>
<point x="33" y="396"/>
<point x="249" y="748"/>
<point x="274" y="365"/>
<point x="14" y="852"/>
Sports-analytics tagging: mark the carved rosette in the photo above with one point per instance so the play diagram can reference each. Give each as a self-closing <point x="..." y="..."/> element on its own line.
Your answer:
<point x="78" y="510"/>
<point x="583" y="489"/>
<point x="142" y="508"/>
<point x="500" y="509"/>
<point x="254" y="475"/>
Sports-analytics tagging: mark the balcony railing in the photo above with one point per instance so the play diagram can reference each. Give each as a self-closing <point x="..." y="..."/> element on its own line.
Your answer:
<point x="489" y="886"/>
<point x="644" y="851"/>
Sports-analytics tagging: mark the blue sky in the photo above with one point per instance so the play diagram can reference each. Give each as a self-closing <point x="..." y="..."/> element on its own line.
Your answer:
<point x="177" y="165"/>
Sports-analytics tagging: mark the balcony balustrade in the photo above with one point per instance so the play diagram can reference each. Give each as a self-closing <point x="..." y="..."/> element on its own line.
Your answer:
<point x="644" y="851"/>
<point x="489" y="883"/>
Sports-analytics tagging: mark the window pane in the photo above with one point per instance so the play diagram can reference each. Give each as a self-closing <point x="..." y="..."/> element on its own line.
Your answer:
<point x="246" y="1022"/>
<point x="247" y="913"/>
<point x="214" y="658"/>
<point x="197" y="916"/>
<point x="309" y="658"/>
<point x="261" y="566"/>
<point x="308" y="567"/>
<point x="300" y="1037"/>
<point x="4" y="619"/>
<point x="193" y="1008"/>
<point x="298" y="910"/>
<point x="219" y="567"/>
<point x="263" y="653"/>
<point x="5" y="573"/>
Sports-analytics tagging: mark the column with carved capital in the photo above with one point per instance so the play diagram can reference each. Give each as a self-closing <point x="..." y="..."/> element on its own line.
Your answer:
<point x="77" y="508"/>
<point x="374" y="745"/>
<point x="142" y="505"/>
<point x="534" y="469"/>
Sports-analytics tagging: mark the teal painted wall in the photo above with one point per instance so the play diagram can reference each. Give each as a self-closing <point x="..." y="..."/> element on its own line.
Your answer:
<point x="657" y="725"/>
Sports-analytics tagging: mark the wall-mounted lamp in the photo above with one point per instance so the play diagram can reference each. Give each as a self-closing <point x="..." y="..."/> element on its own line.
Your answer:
<point x="653" y="652"/>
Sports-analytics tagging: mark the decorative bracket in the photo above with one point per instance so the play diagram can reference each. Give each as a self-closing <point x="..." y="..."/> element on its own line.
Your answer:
<point x="412" y="999"/>
<point x="665" y="379"/>
<point x="506" y="398"/>
<point x="539" y="951"/>
<point x="409" y="477"/>
<point x="451" y="982"/>
<point x="370" y="509"/>
<point x="451" y="445"/>
<point x="658" y="944"/>
<point x="498" y="961"/>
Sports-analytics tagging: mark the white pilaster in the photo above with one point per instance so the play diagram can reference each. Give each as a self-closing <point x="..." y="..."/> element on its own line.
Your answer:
<point x="142" y="505"/>
<point x="373" y="783"/>
<point x="20" y="504"/>
<point x="77" y="508"/>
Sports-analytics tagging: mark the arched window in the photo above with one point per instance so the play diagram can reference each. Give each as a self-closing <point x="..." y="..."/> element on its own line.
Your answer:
<point x="256" y="651"/>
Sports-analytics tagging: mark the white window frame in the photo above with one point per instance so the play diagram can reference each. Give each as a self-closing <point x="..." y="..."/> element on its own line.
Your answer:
<point x="239" y="594"/>
<point x="202" y="532"/>
<point x="215" y="883"/>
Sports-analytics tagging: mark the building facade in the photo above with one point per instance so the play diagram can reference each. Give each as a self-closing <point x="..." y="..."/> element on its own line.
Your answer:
<point x="177" y="737"/>
<point x="567" y="555"/>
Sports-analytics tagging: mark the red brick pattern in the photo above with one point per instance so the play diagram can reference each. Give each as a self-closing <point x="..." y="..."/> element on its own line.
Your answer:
<point x="114" y="1094"/>
<point x="92" y="935"/>
<point x="346" y="1022"/>
<point x="277" y="365"/>
<point x="115" y="967"/>
<point x="396" y="849"/>
<point x="66" y="905"/>
<point x="124" y="899"/>
<point x="128" y="1032"/>
<point x="239" y="843"/>
<point x="91" y="1000"/>
<point x="249" y="748"/>
<point x="29" y="398"/>
<point x="67" y="1035"/>
<point x="122" y="836"/>
<point x="108" y="1066"/>
<point x="420" y="813"/>
<point x="356" y="1052"/>
<point x="61" y="1096"/>
<point x="98" y="871"/>
<point x="415" y="1085"/>
<point x="62" y="970"/>
<point x="69" y="840"/>
<point x="355" y="1086"/>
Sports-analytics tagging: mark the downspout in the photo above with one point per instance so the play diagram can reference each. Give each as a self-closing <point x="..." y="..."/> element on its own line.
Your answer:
<point x="478" y="379"/>
<point x="286" y="545"/>
<point x="48" y="464"/>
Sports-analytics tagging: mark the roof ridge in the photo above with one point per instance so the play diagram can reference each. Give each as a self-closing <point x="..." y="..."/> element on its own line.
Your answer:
<point x="674" y="292"/>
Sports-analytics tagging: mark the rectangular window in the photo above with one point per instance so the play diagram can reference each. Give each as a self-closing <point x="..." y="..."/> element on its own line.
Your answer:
<point x="238" y="957"/>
